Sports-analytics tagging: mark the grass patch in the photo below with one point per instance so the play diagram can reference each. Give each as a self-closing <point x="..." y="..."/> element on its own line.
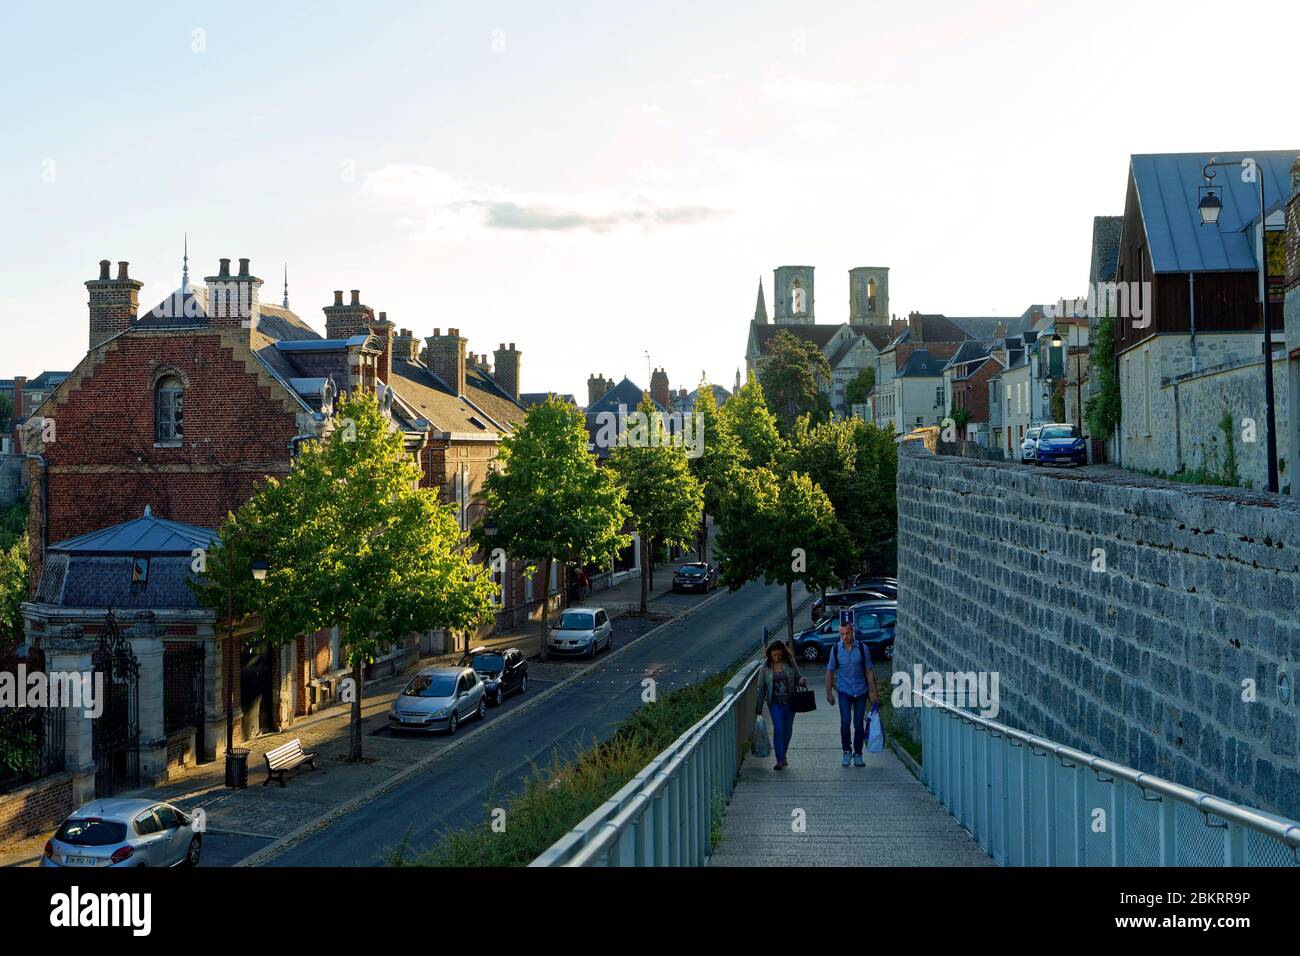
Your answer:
<point x="556" y="798"/>
<point x="895" y="729"/>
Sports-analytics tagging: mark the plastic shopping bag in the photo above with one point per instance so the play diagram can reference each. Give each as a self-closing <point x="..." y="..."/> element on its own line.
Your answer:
<point x="875" y="732"/>
<point x="761" y="745"/>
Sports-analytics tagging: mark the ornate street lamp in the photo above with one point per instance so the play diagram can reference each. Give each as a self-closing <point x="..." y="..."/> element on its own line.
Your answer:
<point x="1210" y="205"/>
<point x="234" y="776"/>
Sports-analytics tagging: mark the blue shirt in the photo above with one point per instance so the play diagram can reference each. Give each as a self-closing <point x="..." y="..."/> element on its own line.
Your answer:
<point x="850" y="674"/>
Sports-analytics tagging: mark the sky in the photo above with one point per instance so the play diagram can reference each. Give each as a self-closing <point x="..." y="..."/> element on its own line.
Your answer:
<point x="602" y="184"/>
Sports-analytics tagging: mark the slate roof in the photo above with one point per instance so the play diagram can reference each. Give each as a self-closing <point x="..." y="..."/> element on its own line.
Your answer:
<point x="819" y="335"/>
<point x="878" y="335"/>
<point x="105" y="581"/>
<point x="529" y="399"/>
<point x="1167" y="195"/>
<point x="969" y="351"/>
<point x="921" y="364"/>
<point x="626" y="393"/>
<point x="144" y="536"/>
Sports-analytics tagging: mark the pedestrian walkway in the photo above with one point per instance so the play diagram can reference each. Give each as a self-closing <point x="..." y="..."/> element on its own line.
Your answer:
<point x="818" y="813"/>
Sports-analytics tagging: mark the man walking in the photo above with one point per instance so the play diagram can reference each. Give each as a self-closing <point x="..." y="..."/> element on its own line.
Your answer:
<point x="851" y="668"/>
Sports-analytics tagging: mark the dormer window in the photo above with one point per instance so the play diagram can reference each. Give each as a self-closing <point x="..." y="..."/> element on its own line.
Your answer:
<point x="169" y="410"/>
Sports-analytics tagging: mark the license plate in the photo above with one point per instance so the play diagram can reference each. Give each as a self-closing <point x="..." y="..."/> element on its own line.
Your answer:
<point x="80" y="860"/>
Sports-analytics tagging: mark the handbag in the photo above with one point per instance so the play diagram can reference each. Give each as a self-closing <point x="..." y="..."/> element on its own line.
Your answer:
<point x="804" y="701"/>
<point x="875" y="731"/>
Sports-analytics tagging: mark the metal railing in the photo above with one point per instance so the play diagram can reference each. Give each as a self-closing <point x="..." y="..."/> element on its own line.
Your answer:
<point x="1032" y="802"/>
<point x="666" y="814"/>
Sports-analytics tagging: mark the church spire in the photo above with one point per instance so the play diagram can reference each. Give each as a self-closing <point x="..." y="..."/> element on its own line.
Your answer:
<point x="185" y="265"/>
<point x="286" y="285"/>
<point x="760" y="307"/>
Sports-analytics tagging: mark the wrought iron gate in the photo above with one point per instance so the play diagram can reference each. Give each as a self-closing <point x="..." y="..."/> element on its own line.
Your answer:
<point x="116" y="733"/>
<point x="183" y="687"/>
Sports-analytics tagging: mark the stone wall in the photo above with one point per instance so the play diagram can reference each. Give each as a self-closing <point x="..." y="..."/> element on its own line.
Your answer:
<point x="38" y="807"/>
<point x="11" y="479"/>
<point x="1142" y="662"/>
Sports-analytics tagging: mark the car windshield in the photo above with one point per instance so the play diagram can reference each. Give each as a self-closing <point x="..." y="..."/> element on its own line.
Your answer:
<point x="91" y="832"/>
<point x="691" y="569"/>
<point x="431" y="685"/>
<point x="1032" y="434"/>
<point x="574" y="621"/>
<point x="1063" y="431"/>
<point x="490" y="663"/>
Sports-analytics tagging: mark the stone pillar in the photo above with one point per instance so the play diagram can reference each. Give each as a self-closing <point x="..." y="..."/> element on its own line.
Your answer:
<point x="70" y="653"/>
<point x="146" y="639"/>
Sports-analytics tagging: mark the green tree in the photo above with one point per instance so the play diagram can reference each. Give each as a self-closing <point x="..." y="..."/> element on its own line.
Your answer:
<point x="6" y="412"/>
<point x="549" y="499"/>
<point x="783" y="530"/>
<point x="1103" y="409"/>
<point x="667" y="501"/>
<point x="352" y="541"/>
<point x="856" y="392"/>
<point x="793" y="373"/>
<point x="13" y="592"/>
<point x="748" y="417"/>
<point x="717" y="465"/>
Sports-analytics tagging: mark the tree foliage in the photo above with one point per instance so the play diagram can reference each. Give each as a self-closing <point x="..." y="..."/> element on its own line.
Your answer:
<point x="793" y="372"/>
<point x="13" y="592"/>
<point x="748" y="417"/>
<point x="856" y="392"/>
<point x="666" y="499"/>
<point x="1103" y="409"/>
<point x="352" y="541"/>
<point x="716" y="468"/>
<point x="549" y="499"/>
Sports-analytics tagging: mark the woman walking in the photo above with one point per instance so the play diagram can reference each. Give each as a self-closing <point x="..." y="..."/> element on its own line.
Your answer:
<point x="778" y="679"/>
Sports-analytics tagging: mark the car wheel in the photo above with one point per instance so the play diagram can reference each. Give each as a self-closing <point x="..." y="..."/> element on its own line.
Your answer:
<point x="501" y="696"/>
<point x="192" y="854"/>
<point x="482" y="708"/>
<point x="451" y="724"/>
<point x="811" y="653"/>
<point x="523" y="685"/>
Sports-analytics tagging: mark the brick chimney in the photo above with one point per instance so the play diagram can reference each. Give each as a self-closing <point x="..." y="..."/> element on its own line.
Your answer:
<point x="507" y="369"/>
<point x="406" y="346"/>
<point x="999" y="331"/>
<point x="342" y="321"/>
<point x="596" y="388"/>
<point x="659" y="389"/>
<point x="446" y="358"/>
<point x="915" y="323"/>
<point x="233" y="299"/>
<point x="113" y="303"/>
<point x="382" y="328"/>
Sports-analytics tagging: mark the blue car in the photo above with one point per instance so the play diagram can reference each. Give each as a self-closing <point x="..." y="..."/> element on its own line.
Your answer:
<point x="874" y="626"/>
<point x="1060" y="444"/>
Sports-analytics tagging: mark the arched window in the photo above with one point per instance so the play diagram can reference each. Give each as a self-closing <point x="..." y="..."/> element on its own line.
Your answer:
<point x="169" y="414"/>
<point x="871" y="295"/>
<point x="797" y="299"/>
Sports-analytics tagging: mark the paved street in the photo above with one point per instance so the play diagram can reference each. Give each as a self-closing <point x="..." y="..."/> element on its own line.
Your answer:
<point x="877" y="815"/>
<point x="460" y="788"/>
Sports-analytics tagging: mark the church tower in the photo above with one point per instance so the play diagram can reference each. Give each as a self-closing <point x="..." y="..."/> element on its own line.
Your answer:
<point x="793" y="294"/>
<point x="869" y="295"/>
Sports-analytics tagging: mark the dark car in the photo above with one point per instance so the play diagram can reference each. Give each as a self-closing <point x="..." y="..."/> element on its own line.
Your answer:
<point x="874" y="623"/>
<point x="696" y="576"/>
<point x="832" y="604"/>
<point x="502" y="672"/>
<point x="875" y="582"/>
<point x="1060" y="444"/>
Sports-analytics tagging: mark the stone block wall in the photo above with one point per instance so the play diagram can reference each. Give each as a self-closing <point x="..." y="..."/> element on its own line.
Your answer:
<point x="1146" y="662"/>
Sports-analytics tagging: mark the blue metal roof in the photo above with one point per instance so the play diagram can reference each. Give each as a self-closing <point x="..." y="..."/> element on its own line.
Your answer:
<point x="1167" y="196"/>
<point x="143" y="536"/>
<point x="321" y="345"/>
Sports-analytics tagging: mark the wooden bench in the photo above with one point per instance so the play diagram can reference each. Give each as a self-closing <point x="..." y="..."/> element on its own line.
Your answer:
<point x="286" y="759"/>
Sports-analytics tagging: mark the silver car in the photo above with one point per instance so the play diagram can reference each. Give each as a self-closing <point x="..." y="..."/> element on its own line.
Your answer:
<point x="125" y="833"/>
<point x="580" y="630"/>
<point x="1029" y="447"/>
<point x="438" y="698"/>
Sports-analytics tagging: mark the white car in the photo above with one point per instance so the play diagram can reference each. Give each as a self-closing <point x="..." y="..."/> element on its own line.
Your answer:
<point x="1029" y="447"/>
<point x="124" y="833"/>
<point x="439" y="698"/>
<point x="580" y="630"/>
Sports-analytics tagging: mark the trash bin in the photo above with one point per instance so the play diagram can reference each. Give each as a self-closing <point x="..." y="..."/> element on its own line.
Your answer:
<point x="237" y="768"/>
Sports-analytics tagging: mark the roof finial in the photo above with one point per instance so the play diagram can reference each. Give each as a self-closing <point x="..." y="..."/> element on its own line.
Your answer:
<point x="286" y="285"/>
<point x="185" y="265"/>
<point x="148" y="511"/>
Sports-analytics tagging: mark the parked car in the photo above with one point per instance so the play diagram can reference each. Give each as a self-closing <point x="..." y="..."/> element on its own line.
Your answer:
<point x="502" y="672"/>
<point x="832" y="603"/>
<point x="438" y="698"/>
<point x="1028" y="446"/>
<point x="696" y="576"/>
<point x="873" y="624"/>
<point x="875" y="582"/>
<point x="580" y="630"/>
<point x="1060" y="443"/>
<point x="125" y="832"/>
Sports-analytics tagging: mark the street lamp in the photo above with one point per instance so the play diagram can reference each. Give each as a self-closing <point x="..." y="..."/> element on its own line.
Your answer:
<point x="234" y="760"/>
<point x="1210" y="205"/>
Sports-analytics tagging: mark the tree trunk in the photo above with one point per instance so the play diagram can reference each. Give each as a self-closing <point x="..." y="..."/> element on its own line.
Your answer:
<point x="354" y="744"/>
<point x="546" y="602"/>
<point x="645" y="571"/>
<point x="789" y="615"/>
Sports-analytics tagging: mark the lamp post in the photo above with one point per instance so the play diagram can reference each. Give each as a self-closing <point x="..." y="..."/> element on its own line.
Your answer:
<point x="1078" y="375"/>
<point x="1210" y="206"/>
<point x="233" y="777"/>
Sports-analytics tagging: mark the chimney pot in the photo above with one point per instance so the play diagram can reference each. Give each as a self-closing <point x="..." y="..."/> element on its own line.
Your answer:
<point x="512" y="346"/>
<point x="104" y="266"/>
<point x="338" y="296"/>
<point x="243" y="267"/>
<point x="356" y="296"/>
<point x="437" y="332"/>
<point x="383" y="316"/>
<point x="225" y="267"/>
<point x="502" y="346"/>
<point x="122" y="270"/>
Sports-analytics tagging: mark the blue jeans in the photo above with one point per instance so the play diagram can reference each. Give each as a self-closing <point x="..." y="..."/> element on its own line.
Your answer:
<point x="782" y="728"/>
<point x="858" y="708"/>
